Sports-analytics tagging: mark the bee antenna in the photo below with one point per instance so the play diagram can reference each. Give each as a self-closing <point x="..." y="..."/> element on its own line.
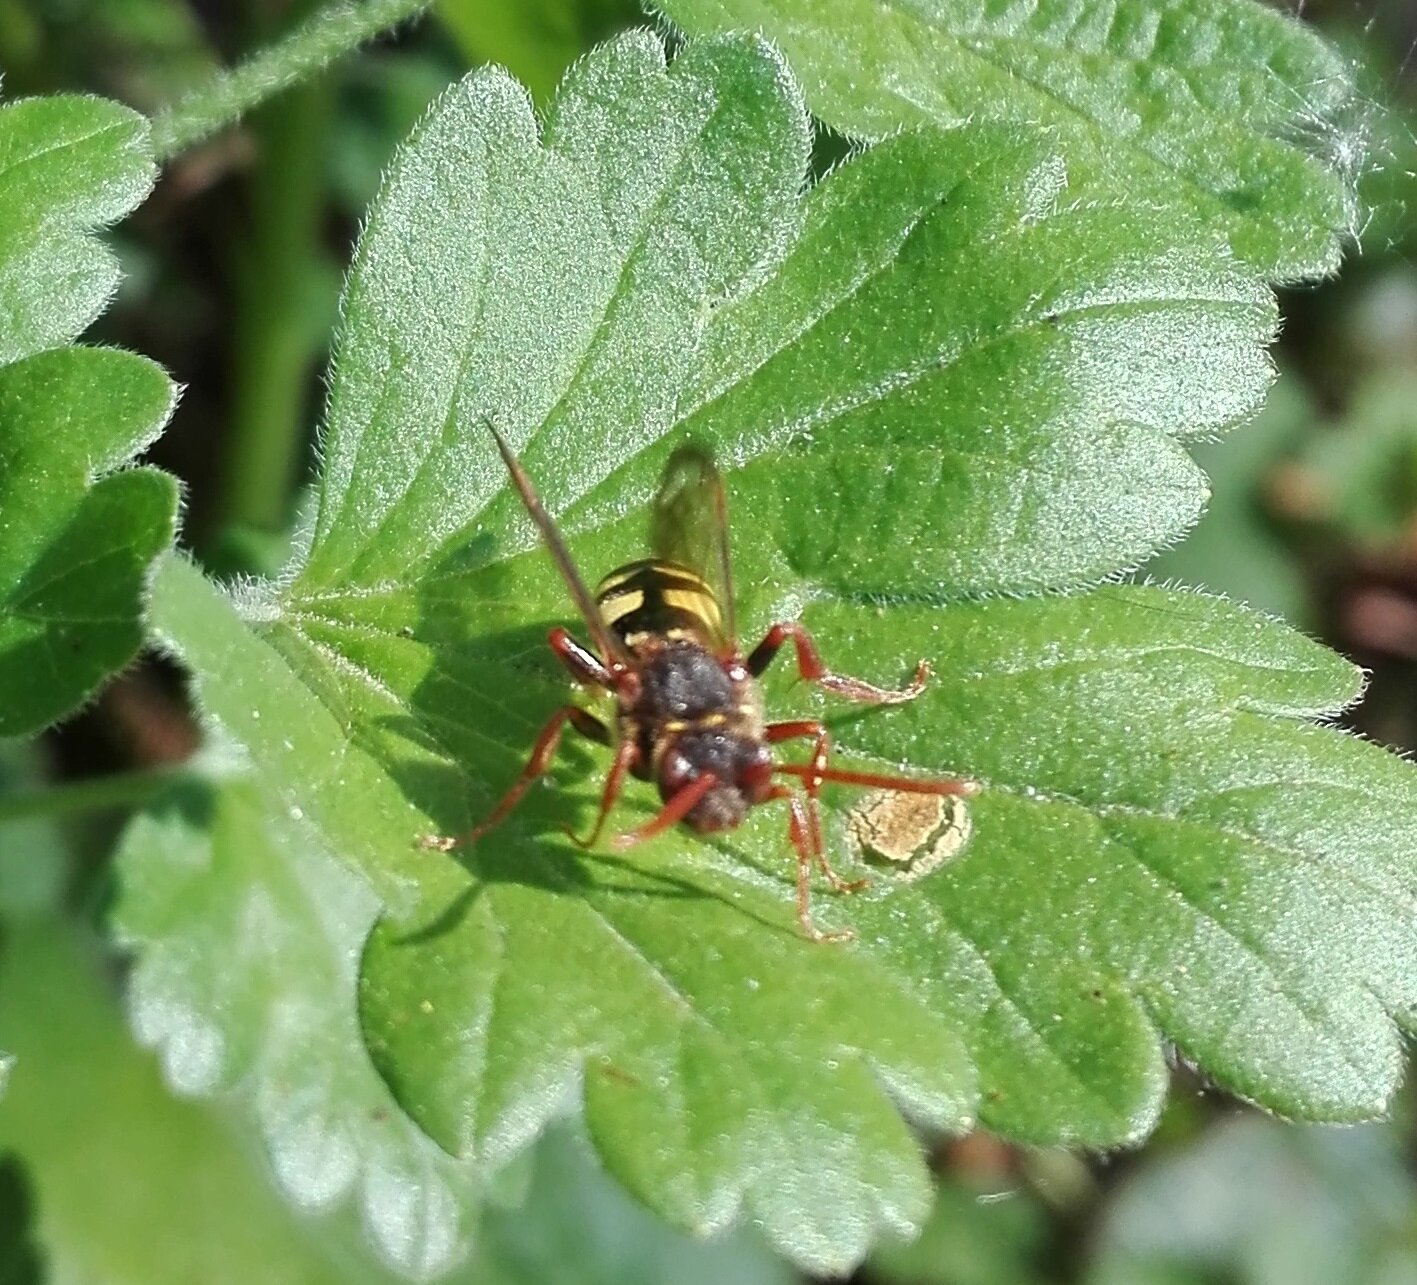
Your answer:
<point x="560" y="554"/>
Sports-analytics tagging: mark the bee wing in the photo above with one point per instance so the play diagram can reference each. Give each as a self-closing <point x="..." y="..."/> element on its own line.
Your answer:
<point x="605" y="643"/>
<point x="689" y="524"/>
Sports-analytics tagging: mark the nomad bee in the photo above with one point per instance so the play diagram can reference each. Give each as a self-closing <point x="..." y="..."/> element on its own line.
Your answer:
<point x="689" y="713"/>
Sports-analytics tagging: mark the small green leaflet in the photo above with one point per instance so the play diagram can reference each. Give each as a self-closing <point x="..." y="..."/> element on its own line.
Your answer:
<point x="80" y="529"/>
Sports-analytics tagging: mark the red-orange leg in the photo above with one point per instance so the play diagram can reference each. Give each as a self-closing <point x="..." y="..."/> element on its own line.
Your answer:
<point x="625" y="754"/>
<point x="801" y="727"/>
<point x="799" y="831"/>
<point x="813" y="783"/>
<point x="811" y="667"/>
<point x="541" y="755"/>
<point x="584" y="665"/>
<point x="670" y="814"/>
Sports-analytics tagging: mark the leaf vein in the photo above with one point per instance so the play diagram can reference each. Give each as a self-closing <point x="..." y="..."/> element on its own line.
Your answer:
<point x="616" y="298"/>
<point x="982" y="49"/>
<point x="1312" y="1016"/>
<point x="32" y="158"/>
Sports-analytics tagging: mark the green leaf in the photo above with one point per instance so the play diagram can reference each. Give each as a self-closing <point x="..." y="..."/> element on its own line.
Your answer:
<point x="1237" y="114"/>
<point x="664" y="205"/>
<point x="67" y="165"/>
<point x="81" y="529"/>
<point x="934" y="378"/>
<point x="74" y="556"/>
<point x="1073" y="343"/>
<point x="247" y="936"/>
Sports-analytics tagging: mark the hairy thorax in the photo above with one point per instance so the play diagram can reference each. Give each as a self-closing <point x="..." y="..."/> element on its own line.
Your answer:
<point x="697" y="714"/>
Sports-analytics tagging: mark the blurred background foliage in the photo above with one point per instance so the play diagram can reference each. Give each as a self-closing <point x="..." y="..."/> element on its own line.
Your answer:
<point x="232" y="275"/>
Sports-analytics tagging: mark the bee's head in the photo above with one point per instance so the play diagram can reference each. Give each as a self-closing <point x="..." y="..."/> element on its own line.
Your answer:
<point x="742" y="770"/>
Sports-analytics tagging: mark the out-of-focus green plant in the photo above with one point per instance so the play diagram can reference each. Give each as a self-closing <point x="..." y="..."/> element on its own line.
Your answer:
<point x="1258" y="1204"/>
<point x="1237" y="548"/>
<point x="955" y="376"/>
<point x="536" y="40"/>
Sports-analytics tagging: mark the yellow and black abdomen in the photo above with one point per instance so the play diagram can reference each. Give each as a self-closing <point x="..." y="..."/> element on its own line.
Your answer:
<point x="652" y="599"/>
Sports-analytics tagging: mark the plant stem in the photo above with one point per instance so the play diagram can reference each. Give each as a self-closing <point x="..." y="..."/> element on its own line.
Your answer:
<point x="20" y="41"/>
<point x="281" y="318"/>
<point x="324" y="37"/>
<point x="120" y="790"/>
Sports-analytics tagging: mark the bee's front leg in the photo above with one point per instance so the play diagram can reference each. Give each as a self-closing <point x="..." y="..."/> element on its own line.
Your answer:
<point x="541" y="755"/>
<point x="811" y="667"/>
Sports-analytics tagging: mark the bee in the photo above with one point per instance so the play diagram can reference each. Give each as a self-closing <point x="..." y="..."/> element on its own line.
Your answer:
<point x="689" y="713"/>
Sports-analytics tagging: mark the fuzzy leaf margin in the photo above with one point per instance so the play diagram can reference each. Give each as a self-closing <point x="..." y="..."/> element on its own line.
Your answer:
<point x="1166" y="849"/>
<point x="81" y="528"/>
<point x="1229" y="110"/>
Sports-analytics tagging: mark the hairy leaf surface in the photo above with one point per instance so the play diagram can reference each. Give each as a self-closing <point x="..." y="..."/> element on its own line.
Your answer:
<point x="247" y="938"/>
<point x="1229" y="110"/>
<point x="936" y="377"/>
<point x="80" y="530"/>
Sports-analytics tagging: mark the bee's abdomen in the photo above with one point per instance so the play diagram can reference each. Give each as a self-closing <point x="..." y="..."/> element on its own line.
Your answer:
<point x="651" y="599"/>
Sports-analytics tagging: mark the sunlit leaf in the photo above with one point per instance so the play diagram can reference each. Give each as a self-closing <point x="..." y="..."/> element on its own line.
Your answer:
<point x="80" y="530"/>
<point x="68" y="165"/>
<point x="247" y="939"/>
<point x="1230" y="110"/>
<point x="935" y="377"/>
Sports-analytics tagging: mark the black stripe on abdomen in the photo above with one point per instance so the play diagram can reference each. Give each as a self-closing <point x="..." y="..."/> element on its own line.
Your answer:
<point x="658" y="598"/>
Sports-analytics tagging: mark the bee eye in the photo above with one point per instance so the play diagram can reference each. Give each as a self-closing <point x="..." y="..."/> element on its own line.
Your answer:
<point x="676" y="770"/>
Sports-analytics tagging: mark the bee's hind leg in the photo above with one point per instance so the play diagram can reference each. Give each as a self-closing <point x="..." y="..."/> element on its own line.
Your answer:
<point x="799" y="831"/>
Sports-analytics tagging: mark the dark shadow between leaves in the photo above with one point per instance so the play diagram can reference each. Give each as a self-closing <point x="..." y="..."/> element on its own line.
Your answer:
<point x="22" y="1261"/>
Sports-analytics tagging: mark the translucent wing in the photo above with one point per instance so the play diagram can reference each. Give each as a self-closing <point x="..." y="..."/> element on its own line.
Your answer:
<point x="689" y="524"/>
